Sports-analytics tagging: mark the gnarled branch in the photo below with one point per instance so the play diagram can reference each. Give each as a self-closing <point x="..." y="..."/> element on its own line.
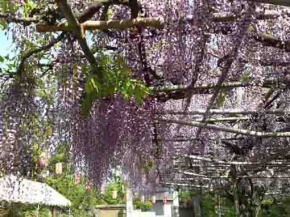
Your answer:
<point x="79" y="33"/>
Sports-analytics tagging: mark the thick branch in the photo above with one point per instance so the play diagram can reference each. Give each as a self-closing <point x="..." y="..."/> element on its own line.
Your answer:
<point x="12" y="18"/>
<point x="156" y="22"/>
<point x="79" y="33"/>
<point x="93" y="8"/>
<point x="96" y="6"/>
<point x="101" y="25"/>
<point x="227" y="129"/>
<point x="87" y="14"/>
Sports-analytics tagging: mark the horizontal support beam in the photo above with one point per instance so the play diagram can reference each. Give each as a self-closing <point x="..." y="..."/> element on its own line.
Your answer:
<point x="203" y="88"/>
<point x="217" y="17"/>
<point x="270" y="41"/>
<point x="229" y="17"/>
<point x="273" y="2"/>
<point x="155" y="22"/>
<point x="12" y="18"/>
<point x="210" y="160"/>
<point x="225" y="112"/>
<point x="182" y="91"/>
<point x="185" y="185"/>
<point x="101" y="25"/>
<point x="193" y="174"/>
<point x="226" y="119"/>
<point x="237" y="163"/>
<point x="186" y="139"/>
<point x="225" y="177"/>
<point x="226" y="129"/>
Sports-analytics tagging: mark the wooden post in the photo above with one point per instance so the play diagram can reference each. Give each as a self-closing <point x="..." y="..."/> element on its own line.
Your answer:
<point x="196" y="205"/>
<point x="129" y="202"/>
<point x="53" y="212"/>
<point x="236" y="197"/>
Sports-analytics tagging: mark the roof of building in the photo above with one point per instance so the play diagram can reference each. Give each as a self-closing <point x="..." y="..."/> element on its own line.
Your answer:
<point x="20" y="190"/>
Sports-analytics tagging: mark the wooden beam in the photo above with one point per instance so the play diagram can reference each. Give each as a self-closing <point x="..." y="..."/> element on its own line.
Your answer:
<point x="155" y="22"/>
<point x="182" y="91"/>
<point x="273" y="2"/>
<point x="237" y="163"/>
<point x="270" y="41"/>
<point x="101" y="25"/>
<point x="217" y="17"/>
<point x="225" y="112"/>
<point x="12" y="18"/>
<point x="204" y="88"/>
<point x="226" y="129"/>
<point x="185" y="185"/>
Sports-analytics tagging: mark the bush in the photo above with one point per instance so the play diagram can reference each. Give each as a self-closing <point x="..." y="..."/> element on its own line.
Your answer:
<point x="144" y="206"/>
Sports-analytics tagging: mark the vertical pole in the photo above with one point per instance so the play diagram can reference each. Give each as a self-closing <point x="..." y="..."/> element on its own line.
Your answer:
<point x="37" y="213"/>
<point x="219" y="209"/>
<point x="175" y="204"/>
<point x="236" y="198"/>
<point x="53" y="212"/>
<point x="201" y="201"/>
<point x="129" y="202"/>
<point x="196" y="205"/>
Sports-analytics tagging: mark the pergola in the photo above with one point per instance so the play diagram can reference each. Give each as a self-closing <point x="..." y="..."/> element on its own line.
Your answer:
<point x="233" y="130"/>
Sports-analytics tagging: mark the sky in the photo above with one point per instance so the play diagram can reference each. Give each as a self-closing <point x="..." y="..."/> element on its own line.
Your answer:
<point x="5" y="44"/>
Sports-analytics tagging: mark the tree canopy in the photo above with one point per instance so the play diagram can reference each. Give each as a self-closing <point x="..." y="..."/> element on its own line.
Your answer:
<point x="176" y="92"/>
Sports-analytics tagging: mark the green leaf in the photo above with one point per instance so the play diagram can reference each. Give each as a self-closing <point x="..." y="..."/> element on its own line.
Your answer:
<point x="117" y="79"/>
<point x="221" y="98"/>
<point x="27" y="7"/>
<point x="245" y="77"/>
<point x="86" y="104"/>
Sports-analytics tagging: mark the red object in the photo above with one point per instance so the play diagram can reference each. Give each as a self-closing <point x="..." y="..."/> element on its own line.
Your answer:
<point x="88" y="186"/>
<point x="165" y="199"/>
